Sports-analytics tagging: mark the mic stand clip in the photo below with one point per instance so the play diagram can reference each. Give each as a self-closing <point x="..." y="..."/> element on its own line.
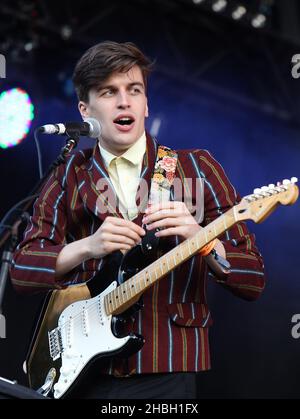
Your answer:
<point x="71" y="142"/>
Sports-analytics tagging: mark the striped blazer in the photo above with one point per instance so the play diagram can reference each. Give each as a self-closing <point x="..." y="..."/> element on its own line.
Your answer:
<point x="175" y="319"/>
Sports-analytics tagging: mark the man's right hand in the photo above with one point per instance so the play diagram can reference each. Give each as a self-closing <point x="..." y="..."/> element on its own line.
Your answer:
<point x="114" y="234"/>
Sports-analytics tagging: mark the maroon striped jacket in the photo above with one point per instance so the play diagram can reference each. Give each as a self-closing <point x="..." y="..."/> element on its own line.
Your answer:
<point x="175" y="319"/>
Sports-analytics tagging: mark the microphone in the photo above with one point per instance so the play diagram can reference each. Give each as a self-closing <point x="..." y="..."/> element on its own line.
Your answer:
<point x="89" y="128"/>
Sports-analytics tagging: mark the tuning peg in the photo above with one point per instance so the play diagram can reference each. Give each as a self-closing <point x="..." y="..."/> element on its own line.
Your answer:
<point x="264" y="188"/>
<point x="271" y="186"/>
<point x="286" y="182"/>
<point x="257" y="191"/>
<point x="294" y="179"/>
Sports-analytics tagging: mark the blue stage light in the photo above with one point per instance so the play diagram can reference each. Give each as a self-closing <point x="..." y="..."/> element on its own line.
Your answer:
<point x="16" y="115"/>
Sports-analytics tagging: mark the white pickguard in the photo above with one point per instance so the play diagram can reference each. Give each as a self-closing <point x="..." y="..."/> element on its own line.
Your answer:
<point x="86" y="332"/>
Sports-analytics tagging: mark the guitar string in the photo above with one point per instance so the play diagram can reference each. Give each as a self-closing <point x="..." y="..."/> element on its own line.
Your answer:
<point x="140" y="277"/>
<point x="180" y="249"/>
<point x="92" y="306"/>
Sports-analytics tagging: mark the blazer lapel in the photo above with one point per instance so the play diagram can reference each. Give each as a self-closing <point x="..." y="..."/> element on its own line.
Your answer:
<point x="143" y="190"/>
<point x="97" y="191"/>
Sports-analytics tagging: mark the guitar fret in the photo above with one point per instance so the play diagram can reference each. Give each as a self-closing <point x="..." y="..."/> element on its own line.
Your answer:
<point x="147" y="279"/>
<point x="171" y="260"/>
<point x="174" y="257"/>
<point x="114" y="299"/>
<point x="205" y="234"/>
<point x="109" y="308"/>
<point x="138" y="283"/>
<point x="224" y="222"/>
<point x="164" y="265"/>
<point x="123" y="290"/>
<point x="194" y="246"/>
<point x="215" y="229"/>
<point x="111" y="301"/>
<point x="180" y="248"/>
<point x="188" y="243"/>
<point x="130" y="287"/>
<point x="134" y="287"/>
<point x="168" y="263"/>
<point x="197" y="241"/>
<point x="150" y="276"/>
<point x="182" y="251"/>
<point x="119" y="296"/>
<point x="161" y="268"/>
<point x="116" y="295"/>
<point x="117" y="304"/>
<point x="144" y="279"/>
<point x="106" y="307"/>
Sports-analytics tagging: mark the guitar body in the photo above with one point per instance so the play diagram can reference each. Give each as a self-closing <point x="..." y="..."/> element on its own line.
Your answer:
<point x="74" y="331"/>
<point x="39" y="362"/>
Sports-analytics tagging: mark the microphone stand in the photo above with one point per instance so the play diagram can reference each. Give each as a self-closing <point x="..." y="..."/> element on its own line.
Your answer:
<point x="6" y="258"/>
<point x="72" y="140"/>
<point x="12" y="233"/>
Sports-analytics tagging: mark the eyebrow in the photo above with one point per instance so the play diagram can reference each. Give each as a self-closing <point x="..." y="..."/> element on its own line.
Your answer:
<point x="111" y="86"/>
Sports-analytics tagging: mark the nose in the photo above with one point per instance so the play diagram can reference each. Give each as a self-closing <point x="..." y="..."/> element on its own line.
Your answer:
<point x="123" y="100"/>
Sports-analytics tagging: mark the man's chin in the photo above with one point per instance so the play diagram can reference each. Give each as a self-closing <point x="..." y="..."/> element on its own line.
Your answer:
<point x="125" y="140"/>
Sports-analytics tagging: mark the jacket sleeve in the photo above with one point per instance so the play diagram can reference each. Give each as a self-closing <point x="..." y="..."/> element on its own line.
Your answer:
<point x="34" y="261"/>
<point x="247" y="277"/>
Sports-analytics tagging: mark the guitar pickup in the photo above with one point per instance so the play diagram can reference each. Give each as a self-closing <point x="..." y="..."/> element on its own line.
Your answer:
<point x="55" y="343"/>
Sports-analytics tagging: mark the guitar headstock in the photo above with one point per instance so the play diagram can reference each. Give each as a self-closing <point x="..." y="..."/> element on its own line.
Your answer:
<point x="264" y="200"/>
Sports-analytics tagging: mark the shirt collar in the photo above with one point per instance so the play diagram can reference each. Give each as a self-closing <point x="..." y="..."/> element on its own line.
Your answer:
<point x="134" y="154"/>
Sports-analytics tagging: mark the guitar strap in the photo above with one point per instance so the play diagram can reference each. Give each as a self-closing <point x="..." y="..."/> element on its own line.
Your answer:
<point x="162" y="180"/>
<point x="163" y="175"/>
<point x="160" y="191"/>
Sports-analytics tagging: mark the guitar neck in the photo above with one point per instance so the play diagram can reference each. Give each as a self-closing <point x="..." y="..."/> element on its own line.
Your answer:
<point x="130" y="291"/>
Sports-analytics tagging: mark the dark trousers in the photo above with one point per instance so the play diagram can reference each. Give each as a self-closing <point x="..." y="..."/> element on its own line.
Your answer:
<point x="146" y="386"/>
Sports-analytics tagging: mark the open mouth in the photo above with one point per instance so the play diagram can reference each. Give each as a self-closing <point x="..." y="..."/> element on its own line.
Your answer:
<point x="124" y="121"/>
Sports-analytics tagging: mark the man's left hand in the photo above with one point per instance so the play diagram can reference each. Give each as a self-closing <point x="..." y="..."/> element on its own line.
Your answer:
<point x="173" y="217"/>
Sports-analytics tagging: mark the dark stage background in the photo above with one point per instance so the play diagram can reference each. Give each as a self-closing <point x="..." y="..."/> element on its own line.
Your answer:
<point x="218" y="84"/>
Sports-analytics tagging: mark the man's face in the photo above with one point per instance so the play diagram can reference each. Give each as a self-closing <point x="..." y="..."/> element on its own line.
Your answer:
<point x="121" y="107"/>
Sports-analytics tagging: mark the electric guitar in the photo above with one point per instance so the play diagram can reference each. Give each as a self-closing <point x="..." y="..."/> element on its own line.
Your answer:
<point x="80" y="324"/>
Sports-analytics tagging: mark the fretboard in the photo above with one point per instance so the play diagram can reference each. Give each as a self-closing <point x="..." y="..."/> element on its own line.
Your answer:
<point x="129" y="292"/>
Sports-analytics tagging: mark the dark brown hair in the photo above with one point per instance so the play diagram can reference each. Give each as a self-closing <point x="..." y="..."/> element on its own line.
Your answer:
<point x="103" y="59"/>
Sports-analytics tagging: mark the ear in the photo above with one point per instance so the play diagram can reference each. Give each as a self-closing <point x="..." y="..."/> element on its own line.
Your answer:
<point x="83" y="109"/>
<point x="146" y="110"/>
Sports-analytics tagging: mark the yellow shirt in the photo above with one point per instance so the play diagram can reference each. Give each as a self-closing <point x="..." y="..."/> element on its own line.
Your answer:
<point x="124" y="172"/>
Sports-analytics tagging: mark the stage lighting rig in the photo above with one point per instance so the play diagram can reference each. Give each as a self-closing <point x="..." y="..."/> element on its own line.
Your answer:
<point x="255" y="13"/>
